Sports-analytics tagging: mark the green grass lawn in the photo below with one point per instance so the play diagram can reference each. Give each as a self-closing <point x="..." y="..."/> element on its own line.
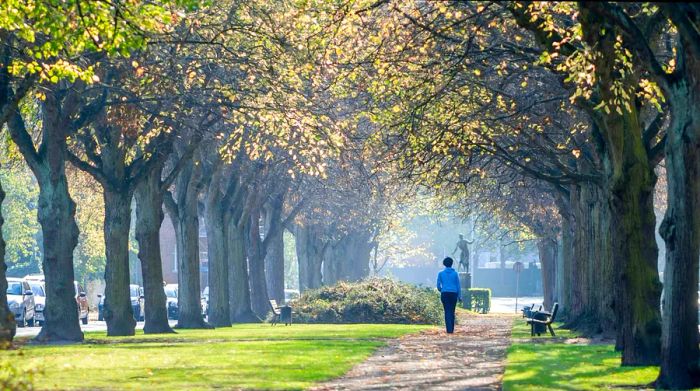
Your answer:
<point x="256" y="356"/>
<point x="543" y="363"/>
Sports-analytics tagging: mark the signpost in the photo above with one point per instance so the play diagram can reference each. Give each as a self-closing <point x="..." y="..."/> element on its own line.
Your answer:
<point x="518" y="267"/>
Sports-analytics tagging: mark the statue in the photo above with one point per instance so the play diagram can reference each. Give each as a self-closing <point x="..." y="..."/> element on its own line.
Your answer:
<point x="463" y="246"/>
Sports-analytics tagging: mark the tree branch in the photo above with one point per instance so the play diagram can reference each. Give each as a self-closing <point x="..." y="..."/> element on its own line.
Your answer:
<point x="19" y="134"/>
<point x="635" y="38"/>
<point x="95" y="172"/>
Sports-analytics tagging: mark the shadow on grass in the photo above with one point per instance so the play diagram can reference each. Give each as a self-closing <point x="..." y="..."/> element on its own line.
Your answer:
<point x="558" y="364"/>
<point x="521" y="330"/>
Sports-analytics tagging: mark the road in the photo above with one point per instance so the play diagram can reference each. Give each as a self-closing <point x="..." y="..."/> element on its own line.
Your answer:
<point x="93" y="325"/>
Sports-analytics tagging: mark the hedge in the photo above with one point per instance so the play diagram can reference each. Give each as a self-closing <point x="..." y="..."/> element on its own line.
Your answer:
<point x="374" y="300"/>
<point x="478" y="300"/>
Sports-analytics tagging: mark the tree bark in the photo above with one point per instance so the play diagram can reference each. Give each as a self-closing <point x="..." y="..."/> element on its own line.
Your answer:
<point x="56" y="214"/>
<point x="274" y="257"/>
<point x="680" y="229"/>
<point x="566" y="259"/>
<point x="630" y="180"/>
<point x="348" y="258"/>
<point x="184" y="215"/>
<point x="60" y="236"/>
<point x="256" y="266"/>
<point x="118" y="312"/>
<point x="331" y="260"/>
<point x="310" y="251"/>
<point x="359" y="249"/>
<point x="219" y="307"/>
<point x="149" y="218"/>
<point x="635" y="258"/>
<point x="8" y="327"/>
<point x="239" y="281"/>
<point x="547" y="248"/>
<point x="274" y="268"/>
<point x="592" y="270"/>
<point x="580" y="282"/>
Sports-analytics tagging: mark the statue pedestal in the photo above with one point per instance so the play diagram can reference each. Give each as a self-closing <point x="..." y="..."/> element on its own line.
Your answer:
<point x="465" y="280"/>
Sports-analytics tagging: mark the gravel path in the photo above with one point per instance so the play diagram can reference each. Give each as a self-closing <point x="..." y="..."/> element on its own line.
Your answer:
<point x="473" y="358"/>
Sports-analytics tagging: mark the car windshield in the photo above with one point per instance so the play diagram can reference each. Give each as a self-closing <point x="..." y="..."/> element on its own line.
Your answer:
<point x="14" y="288"/>
<point x="170" y="291"/>
<point x="37" y="290"/>
<point x="134" y="290"/>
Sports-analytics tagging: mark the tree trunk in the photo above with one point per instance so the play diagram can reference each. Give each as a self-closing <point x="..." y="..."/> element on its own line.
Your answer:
<point x="189" y="289"/>
<point x="566" y="261"/>
<point x="8" y="327"/>
<point x="239" y="284"/>
<point x="219" y="307"/>
<point x="310" y="253"/>
<point x="547" y="248"/>
<point x="592" y="277"/>
<point x="363" y="249"/>
<point x="118" y="312"/>
<point x="56" y="214"/>
<point x="602" y="271"/>
<point x="635" y="257"/>
<point x="149" y="217"/>
<point x="680" y="354"/>
<point x="331" y="261"/>
<point x="274" y="259"/>
<point x="348" y="258"/>
<point x="358" y="248"/>
<point x="630" y="180"/>
<point x="580" y="282"/>
<point x="274" y="268"/>
<point x="60" y="236"/>
<point x="256" y="266"/>
<point x="183" y="212"/>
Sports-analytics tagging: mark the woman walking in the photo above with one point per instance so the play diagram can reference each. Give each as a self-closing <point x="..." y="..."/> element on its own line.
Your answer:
<point x="450" y="292"/>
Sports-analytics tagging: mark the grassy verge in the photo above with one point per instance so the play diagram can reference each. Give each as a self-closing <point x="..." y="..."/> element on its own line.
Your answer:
<point x="553" y="364"/>
<point x="244" y="356"/>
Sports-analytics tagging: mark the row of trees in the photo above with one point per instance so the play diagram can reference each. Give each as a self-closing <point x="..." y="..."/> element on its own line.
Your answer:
<point x="214" y="114"/>
<point x="260" y="117"/>
<point x="581" y="100"/>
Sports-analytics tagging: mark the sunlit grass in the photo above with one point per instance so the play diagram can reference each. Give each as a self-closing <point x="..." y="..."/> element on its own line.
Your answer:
<point x="251" y="356"/>
<point x="543" y="363"/>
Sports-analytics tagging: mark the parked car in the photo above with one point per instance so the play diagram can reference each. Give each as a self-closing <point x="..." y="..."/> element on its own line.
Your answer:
<point x="171" y="300"/>
<point x="39" y="301"/>
<point x="136" y="296"/>
<point x="80" y="296"/>
<point x="20" y="299"/>
<point x="35" y="278"/>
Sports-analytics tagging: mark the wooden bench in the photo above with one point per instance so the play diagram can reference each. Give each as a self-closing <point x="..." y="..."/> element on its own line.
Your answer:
<point x="281" y="313"/>
<point x="544" y="320"/>
<point x="527" y="311"/>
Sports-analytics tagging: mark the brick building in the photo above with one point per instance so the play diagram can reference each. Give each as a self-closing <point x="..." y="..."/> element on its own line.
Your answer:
<point x="168" y="252"/>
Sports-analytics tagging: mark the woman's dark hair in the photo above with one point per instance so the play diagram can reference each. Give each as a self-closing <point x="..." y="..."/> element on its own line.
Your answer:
<point x="448" y="262"/>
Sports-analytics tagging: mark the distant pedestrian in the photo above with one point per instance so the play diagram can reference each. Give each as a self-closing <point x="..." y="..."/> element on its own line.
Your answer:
<point x="450" y="292"/>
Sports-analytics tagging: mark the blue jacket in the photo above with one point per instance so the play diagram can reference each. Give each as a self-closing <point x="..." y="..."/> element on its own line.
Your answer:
<point x="448" y="281"/>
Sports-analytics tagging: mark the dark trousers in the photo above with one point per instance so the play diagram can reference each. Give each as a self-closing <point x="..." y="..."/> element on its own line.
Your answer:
<point x="449" y="303"/>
